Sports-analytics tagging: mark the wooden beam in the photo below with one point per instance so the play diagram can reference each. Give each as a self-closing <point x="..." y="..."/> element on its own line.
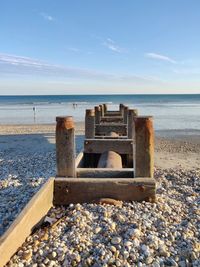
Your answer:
<point x="121" y="108"/>
<point x="131" y="114"/>
<point x="105" y="107"/>
<point x="65" y="146"/>
<point x="113" y="113"/>
<point x="125" y="114"/>
<point x="102" y="110"/>
<point x="86" y="190"/>
<point x="97" y="115"/>
<point x="24" y="224"/>
<point x="104" y="129"/>
<point x="104" y="173"/>
<point x="121" y="146"/>
<point x="112" y="119"/>
<point x="144" y="147"/>
<point x="89" y="123"/>
<point x="110" y="137"/>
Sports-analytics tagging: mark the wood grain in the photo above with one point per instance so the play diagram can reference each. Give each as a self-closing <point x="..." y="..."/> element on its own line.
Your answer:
<point x="23" y="225"/>
<point x="104" y="129"/>
<point x="82" y="190"/>
<point x="121" y="146"/>
<point x="104" y="173"/>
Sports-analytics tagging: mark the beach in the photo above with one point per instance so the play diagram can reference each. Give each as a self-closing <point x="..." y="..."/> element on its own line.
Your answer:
<point x="28" y="160"/>
<point x="99" y="134"/>
<point x="173" y="148"/>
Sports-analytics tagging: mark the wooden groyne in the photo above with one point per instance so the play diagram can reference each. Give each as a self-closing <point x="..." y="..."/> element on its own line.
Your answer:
<point x="117" y="163"/>
<point x="118" y="144"/>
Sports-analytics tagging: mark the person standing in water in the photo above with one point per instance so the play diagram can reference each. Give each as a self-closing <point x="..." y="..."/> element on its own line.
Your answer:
<point x="34" y="113"/>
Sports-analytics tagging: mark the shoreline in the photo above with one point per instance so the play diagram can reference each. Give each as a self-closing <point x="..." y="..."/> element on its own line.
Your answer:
<point x="79" y="126"/>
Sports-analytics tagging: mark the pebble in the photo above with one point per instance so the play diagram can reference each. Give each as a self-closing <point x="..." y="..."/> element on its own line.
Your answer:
<point x="113" y="249"/>
<point x="97" y="230"/>
<point x="27" y="255"/>
<point x="116" y="240"/>
<point x="128" y="244"/>
<point x="54" y="254"/>
<point x="149" y="260"/>
<point x="136" y="234"/>
<point x="182" y="264"/>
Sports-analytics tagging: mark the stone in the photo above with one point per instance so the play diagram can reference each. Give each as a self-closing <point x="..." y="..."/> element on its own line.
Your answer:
<point x="136" y="242"/>
<point x="116" y="240"/>
<point x="182" y="264"/>
<point x="44" y="237"/>
<point x="171" y="262"/>
<point x="121" y="218"/>
<point x="196" y="246"/>
<point x="135" y="233"/>
<point x="113" y="226"/>
<point x="163" y="251"/>
<point x="145" y="250"/>
<point x="40" y="252"/>
<point x="113" y="248"/>
<point x="27" y="255"/>
<point x="128" y="244"/>
<point x="54" y="254"/>
<point x="155" y="264"/>
<point x="97" y="230"/>
<point x="149" y="260"/>
<point x="126" y="254"/>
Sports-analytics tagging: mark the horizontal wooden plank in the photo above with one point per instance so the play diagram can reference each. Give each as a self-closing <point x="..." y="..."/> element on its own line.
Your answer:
<point x="113" y="113"/>
<point x="87" y="190"/>
<point x="104" y="173"/>
<point x="23" y="225"/>
<point x="112" y="119"/>
<point x="104" y="129"/>
<point x="109" y="137"/>
<point x="121" y="146"/>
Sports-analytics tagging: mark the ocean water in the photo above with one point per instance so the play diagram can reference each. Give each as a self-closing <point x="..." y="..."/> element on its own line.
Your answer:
<point x="169" y="111"/>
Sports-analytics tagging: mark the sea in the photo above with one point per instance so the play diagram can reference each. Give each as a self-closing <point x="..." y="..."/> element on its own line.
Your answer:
<point x="177" y="112"/>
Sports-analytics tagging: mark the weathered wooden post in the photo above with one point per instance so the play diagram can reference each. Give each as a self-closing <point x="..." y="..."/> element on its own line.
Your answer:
<point x="131" y="114"/>
<point x="144" y="147"/>
<point x="121" y="109"/>
<point x="65" y="146"/>
<point x="102" y="110"/>
<point x="125" y="114"/>
<point x="97" y="115"/>
<point x="105" y="107"/>
<point x="89" y="124"/>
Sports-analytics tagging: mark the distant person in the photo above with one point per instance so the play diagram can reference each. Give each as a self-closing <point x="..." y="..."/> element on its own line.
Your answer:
<point x="34" y="113"/>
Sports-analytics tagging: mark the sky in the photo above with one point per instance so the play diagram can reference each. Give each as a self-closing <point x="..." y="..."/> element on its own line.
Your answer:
<point x="99" y="47"/>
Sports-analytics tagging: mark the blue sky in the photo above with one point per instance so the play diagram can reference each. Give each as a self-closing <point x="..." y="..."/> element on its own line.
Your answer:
<point x="94" y="47"/>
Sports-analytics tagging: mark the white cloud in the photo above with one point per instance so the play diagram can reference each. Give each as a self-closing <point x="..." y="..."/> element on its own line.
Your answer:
<point x="110" y="44"/>
<point x="160" y="57"/>
<point x="19" y="65"/>
<point x="47" y="17"/>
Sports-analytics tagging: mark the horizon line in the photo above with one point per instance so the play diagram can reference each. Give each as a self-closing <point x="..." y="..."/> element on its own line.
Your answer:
<point x="100" y="94"/>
